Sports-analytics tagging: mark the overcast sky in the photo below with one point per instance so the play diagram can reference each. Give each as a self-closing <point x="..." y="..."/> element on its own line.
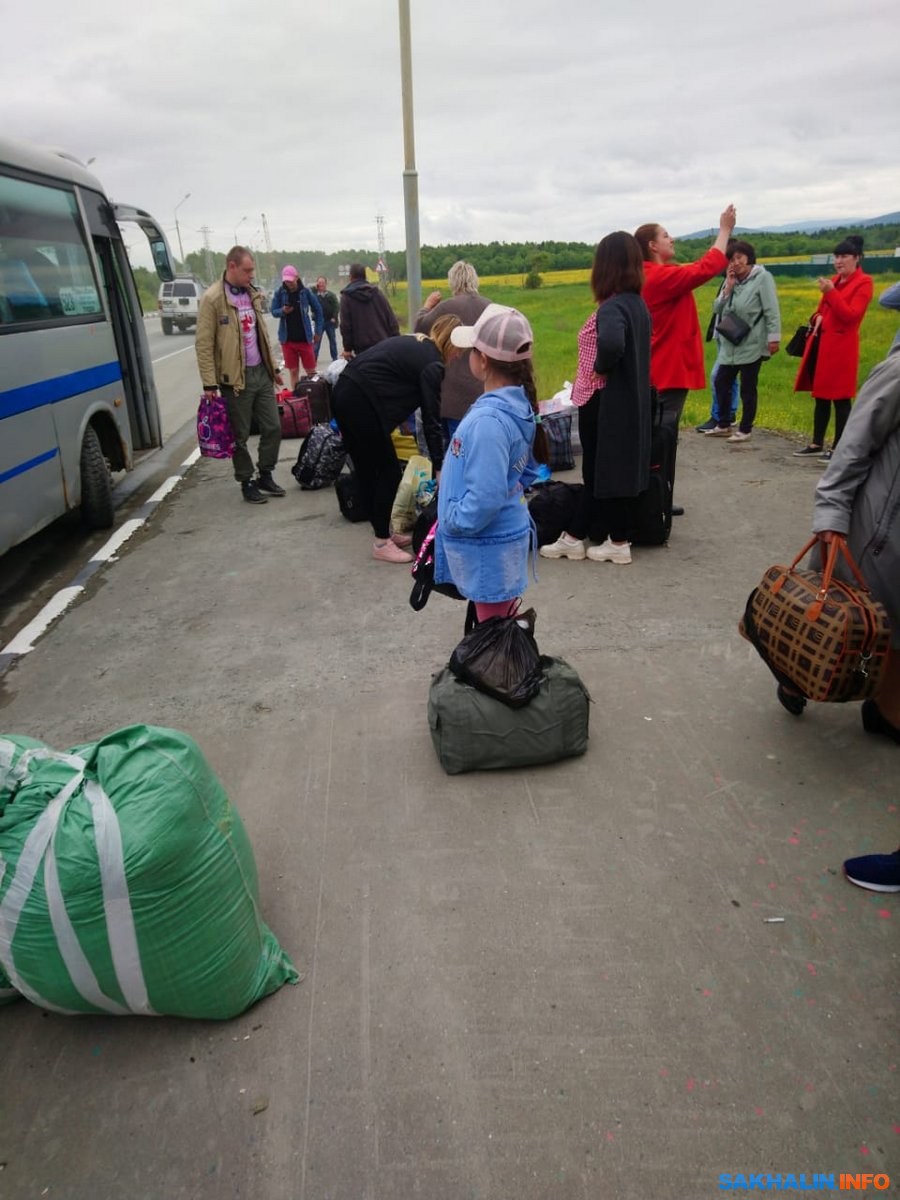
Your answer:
<point x="534" y="119"/>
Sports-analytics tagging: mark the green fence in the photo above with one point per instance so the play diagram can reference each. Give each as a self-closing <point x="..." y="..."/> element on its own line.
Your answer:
<point x="877" y="264"/>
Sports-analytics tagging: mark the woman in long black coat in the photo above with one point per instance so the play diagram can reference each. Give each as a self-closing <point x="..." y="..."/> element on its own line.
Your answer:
<point x="614" y="424"/>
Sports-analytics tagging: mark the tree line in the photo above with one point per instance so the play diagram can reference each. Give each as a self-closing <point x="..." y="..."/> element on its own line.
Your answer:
<point x="504" y="258"/>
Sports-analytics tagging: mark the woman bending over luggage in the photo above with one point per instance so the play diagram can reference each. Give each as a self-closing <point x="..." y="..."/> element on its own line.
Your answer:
<point x="484" y="531"/>
<point x="375" y="392"/>
<point x="614" y="416"/>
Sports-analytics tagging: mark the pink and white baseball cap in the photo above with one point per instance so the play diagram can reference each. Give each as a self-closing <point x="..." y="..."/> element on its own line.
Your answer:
<point x="501" y="333"/>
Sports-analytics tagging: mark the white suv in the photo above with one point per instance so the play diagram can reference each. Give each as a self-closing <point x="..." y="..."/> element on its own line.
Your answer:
<point x="179" y="302"/>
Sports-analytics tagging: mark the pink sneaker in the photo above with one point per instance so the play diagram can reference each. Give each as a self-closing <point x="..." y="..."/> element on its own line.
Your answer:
<point x="390" y="552"/>
<point x="402" y="540"/>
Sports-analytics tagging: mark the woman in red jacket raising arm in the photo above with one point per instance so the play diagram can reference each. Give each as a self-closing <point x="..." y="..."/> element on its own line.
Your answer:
<point x="676" y="348"/>
<point x="831" y="357"/>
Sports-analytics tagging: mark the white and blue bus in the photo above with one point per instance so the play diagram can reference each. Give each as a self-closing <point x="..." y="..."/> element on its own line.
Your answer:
<point x="77" y="396"/>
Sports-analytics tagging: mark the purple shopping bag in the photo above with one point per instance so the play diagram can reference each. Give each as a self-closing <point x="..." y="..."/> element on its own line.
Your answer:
<point x="214" y="431"/>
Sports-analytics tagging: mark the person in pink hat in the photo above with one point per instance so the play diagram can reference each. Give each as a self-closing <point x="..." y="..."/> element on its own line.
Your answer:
<point x="300" y="323"/>
<point x="484" y="531"/>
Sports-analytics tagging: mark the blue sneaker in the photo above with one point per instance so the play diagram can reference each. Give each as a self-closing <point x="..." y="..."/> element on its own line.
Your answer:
<point x="875" y="872"/>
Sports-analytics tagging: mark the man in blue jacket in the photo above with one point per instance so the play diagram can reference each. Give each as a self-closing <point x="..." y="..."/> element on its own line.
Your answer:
<point x="300" y="323"/>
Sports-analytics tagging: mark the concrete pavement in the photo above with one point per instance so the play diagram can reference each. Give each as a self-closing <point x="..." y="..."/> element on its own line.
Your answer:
<point x="554" y="983"/>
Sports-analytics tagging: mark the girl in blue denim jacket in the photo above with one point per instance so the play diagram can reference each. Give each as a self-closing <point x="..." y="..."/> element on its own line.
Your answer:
<point x="484" y="529"/>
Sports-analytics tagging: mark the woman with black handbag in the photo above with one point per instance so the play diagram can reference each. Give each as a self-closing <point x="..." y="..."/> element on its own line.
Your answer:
<point x="749" y="333"/>
<point x="831" y="358"/>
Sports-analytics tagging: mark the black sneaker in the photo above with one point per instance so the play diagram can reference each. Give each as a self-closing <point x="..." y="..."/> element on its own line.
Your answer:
<point x="710" y="424"/>
<point x="267" y="484"/>
<point x="809" y="452"/>
<point x="251" y="492"/>
<point x="875" y="872"/>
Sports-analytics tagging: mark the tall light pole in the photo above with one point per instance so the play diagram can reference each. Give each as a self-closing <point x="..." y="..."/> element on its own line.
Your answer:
<point x="237" y="227"/>
<point x="410" y="175"/>
<point x="186" y="196"/>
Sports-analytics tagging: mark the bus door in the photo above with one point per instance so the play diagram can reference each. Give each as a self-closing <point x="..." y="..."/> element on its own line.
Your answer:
<point x="124" y="307"/>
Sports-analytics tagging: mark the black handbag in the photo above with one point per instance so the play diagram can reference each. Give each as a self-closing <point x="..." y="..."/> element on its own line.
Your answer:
<point x="500" y="658"/>
<point x="797" y="344"/>
<point x="733" y="328"/>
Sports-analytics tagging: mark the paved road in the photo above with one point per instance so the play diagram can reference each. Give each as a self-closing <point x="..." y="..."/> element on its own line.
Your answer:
<point x="32" y="572"/>
<point x="555" y="983"/>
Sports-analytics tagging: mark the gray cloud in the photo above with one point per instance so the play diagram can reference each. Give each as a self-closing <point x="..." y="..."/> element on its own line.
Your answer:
<point x="533" y="120"/>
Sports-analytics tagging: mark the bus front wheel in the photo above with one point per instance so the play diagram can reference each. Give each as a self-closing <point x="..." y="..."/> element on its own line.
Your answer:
<point x="96" y="483"/>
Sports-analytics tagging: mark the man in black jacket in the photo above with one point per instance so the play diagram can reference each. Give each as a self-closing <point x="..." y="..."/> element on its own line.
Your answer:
<point x="366" y="316"/>
<point x="329" y="304"/>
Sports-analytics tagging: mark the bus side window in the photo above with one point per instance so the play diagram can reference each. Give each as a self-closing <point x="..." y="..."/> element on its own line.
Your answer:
<point x="45" y="269"/>
<point x="23" y="297"/>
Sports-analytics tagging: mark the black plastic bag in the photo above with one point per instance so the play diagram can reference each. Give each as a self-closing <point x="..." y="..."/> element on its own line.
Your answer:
<point x="500" y="658"/>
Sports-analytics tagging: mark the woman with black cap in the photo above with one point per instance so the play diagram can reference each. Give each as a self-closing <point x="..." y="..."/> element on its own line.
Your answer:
<point x="831" y="358"/>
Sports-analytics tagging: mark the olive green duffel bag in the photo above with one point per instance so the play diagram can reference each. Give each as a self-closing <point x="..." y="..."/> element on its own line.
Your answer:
<point x="474" y="732"/>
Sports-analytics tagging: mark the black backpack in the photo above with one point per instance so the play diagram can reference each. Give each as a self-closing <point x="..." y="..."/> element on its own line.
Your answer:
<point x="321" y="459"/>
<point x="423" y="568"/>
<point x="554" y="508"/>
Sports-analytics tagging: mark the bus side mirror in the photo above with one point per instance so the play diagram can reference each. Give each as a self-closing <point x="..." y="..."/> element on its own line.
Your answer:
<point x="161" y="262"/>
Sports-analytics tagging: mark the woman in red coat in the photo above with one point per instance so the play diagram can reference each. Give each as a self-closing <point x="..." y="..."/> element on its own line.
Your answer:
<point x="830" y="361"/>
<point x="676" y="349"/>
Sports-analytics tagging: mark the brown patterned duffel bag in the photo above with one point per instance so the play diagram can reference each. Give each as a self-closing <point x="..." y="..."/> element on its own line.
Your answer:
<point x="827" y="638"/>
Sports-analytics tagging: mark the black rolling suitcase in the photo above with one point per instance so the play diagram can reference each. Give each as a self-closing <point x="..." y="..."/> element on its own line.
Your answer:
<point x="653" y="510"/>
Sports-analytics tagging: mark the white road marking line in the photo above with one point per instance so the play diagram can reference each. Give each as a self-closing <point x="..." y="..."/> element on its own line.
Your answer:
<point x="163" y="490"/>
<point x="172" y="355"/>
<point x="24" y="640"/>
<point x="108" y="551"/>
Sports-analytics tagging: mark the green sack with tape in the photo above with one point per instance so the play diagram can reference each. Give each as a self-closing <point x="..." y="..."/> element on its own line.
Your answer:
<point x="127" y="881"/>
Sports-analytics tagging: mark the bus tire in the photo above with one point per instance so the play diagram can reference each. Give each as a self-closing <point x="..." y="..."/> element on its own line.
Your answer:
<point x="96" y="483"/>
<point x="167" y="326"/>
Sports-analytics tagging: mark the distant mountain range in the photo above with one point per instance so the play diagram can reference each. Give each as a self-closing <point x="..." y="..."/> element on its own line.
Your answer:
<point x="803" y="226"/>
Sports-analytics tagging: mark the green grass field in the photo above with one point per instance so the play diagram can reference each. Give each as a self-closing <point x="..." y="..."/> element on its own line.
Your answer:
<point x="558" y="310"/>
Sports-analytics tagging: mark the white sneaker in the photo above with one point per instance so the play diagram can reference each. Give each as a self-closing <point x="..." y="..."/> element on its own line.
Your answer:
<point x="563" y="547"/>
<point x="718" y="431"/>
<point x="740" y="436"/>
<point x="610" y="552"/>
